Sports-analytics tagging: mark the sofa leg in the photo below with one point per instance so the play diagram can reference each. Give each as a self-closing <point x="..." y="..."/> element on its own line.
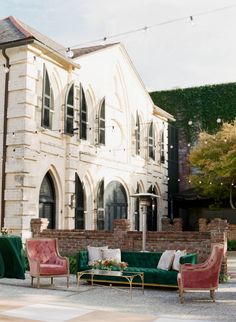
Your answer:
<point x="212" y="294"/>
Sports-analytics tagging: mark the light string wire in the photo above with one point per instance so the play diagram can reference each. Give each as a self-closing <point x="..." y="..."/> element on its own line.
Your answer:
<point x="145" y="28"/>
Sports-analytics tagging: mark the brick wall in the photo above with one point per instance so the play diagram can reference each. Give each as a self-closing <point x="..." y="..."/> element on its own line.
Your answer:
<point x="232" y="232"/>
<point x="72" y="241"/>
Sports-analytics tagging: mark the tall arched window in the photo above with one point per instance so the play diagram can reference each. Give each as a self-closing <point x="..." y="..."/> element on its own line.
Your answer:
<point x="79" y="204"/>
<point x="162" y="148"/>
<point x="115" y="204"/>
<point x="83" y="115"/>
<point x="100" y="206"/>
<point x="151" y="142"/>
<point x="102" y="123"/>
<point x="152" y="212"/>
<point x="137" y="135"/>
<point x="47" y="201"/>
<point x="69" y="111"/>
<point x="47" y="107"/>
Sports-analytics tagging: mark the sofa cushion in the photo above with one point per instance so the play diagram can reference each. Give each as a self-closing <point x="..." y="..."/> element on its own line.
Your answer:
<point x="52" y="269"/>
<point x="95" y="253"/>
<point x="110" y="253"/>
<point x="166" y="260"/>
<point x="176" y="263"/>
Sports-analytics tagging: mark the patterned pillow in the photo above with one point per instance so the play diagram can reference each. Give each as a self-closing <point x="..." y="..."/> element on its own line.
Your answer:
<point x="178" y="254"/>
<point x="114" y="254"/>
<point x="166" y="260"/>
<point x="95" y="253"/>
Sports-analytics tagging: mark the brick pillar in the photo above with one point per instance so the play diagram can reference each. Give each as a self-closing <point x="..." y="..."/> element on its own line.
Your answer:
<point x="178" y="224"/>
<point x="120" y="229"/>
<point x="37" y="225"/>
<point x="202" y="223"/>
<point x="218" y="229"/>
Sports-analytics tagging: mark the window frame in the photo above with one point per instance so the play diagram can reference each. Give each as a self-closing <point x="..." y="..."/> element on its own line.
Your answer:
<point x="68" y="106"/>
<point x="102" y="123"/>
<point x="83" y="115"/>
<point x="137" y="135"/>
<point x="151" y="141"/>
<point x="47" y="95"/>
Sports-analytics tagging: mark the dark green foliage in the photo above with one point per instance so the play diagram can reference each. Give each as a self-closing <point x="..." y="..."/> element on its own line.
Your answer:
<point x="203" y="105"/>
<point x="231" y="244"/>
<point x="73" y="265"/>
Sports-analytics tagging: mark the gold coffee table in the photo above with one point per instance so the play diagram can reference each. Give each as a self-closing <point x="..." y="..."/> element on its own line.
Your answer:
<point x="129" y="276"/>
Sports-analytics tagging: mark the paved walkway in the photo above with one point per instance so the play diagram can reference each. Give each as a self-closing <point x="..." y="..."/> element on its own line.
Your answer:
<point x="20" y="302"/>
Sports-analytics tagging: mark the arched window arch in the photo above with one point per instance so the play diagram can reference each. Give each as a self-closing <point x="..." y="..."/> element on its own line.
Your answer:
<point x="47" y="204"/>
<point x="100" y="206"/>
<point x="102" y="123"/>
<point x="69" y="111"/>
<point x="137" y="135"/>
<point x="151" y="142"/>
<point x="47" y="107"/>
<point x="83" y="115"/>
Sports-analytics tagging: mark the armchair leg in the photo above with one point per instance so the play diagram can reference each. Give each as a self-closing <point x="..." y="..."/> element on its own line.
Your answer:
<point x="212" y="294"/>
<point x="51" y="280"/>
<point x="181" y="296"/>
<point x="67" y="281"/>
<point x="38" y="282"/>
<point x="32" y="280"/>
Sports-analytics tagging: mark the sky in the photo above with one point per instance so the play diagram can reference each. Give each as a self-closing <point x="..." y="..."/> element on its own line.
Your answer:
<point x="179" y="54"/>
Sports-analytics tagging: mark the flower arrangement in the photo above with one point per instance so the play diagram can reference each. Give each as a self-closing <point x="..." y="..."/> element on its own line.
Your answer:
<point x="109" y="264"/>
<point x="4" y="231"/>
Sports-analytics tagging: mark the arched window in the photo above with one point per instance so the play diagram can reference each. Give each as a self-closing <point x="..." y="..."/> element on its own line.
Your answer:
<point x="47" y="108"/>
<point x="162" y="148"/>
<point x="115" y="204"/>
<point x="152" y="212"/>
<point x="47" y="201"/>
<point x="151" y="142"/>
<point x="102" y="123"/>
<point x="69" y="111"/>
<point x="100" y="206"/>
<point x="79" y="204"/>
<point x="83" y="115"/>
<point x="137" y="135"/>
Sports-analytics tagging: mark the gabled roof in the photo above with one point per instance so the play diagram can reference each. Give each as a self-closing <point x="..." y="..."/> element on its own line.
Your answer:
<point x="14" y="32"/>
<point x="87" y="50"/>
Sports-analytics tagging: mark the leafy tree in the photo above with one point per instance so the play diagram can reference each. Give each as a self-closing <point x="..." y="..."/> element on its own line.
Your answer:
<point x="213" y="161"/>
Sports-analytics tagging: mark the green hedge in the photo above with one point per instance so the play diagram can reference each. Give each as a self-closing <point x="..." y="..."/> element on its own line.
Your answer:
<point x="231" y="245"/>
<point x="203" y="105"/>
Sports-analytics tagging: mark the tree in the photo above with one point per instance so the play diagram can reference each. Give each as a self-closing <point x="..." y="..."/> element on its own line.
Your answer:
<point x="213" y="163"/>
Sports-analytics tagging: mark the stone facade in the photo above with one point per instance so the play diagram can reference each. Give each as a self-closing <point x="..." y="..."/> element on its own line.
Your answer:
<point x="34" y="151"/>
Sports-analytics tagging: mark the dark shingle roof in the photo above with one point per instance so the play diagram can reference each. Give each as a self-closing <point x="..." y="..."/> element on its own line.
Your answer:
<point x="13" y="30"/>
<point x="87" y="50"/>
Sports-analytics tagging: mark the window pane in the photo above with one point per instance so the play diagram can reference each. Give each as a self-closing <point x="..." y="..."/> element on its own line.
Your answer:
<point x="70" y="99"/>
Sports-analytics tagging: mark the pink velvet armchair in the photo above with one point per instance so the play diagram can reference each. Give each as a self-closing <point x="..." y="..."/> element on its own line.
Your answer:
<point x="45" y="260"/>
<point x="203" y="276"/>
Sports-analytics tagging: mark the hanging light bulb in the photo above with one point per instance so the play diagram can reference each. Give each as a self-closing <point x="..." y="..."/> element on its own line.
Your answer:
<point x="190" y="122"/>
<point x="6" y="69"/>
<point x="218" y="120"/>
<point x="69" y="53"/>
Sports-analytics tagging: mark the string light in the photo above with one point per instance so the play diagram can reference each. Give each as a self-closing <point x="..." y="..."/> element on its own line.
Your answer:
<point x="190" y="122"/>
<point x="69" y="53"/>
<point x="218" y="120"/>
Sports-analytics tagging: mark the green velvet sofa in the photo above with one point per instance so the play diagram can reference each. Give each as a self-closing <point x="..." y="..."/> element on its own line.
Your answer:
<point x="140" y="262"/>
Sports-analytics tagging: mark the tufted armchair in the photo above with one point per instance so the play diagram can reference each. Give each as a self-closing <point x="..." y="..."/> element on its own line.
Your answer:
<point x="203" y="276"/>
<point x="45" y="261"/>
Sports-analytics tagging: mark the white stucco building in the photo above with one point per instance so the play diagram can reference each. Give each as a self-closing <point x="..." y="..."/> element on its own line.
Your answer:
<point x="78" y="136"/>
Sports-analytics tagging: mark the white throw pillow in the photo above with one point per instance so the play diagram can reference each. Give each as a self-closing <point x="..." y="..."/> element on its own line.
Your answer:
<point x="166" y="260"/>
<point x="95" y="253"/>
<point x="178" y="254"/>
<point x="114" y="254"/>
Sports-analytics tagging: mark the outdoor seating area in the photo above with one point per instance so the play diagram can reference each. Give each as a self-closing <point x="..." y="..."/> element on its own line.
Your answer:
<point x="156" y="266"/>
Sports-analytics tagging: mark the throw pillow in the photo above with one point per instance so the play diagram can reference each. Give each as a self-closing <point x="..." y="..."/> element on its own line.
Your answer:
<point x="178" y="254"/>
<point x="95" y="253"/>
<point x="166" y="260"/>
<point x="114" y="254"/>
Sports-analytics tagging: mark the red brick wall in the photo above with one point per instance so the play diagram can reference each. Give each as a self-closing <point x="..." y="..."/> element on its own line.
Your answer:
<point x="72" y="241"/>
<point x="232" y="232"/>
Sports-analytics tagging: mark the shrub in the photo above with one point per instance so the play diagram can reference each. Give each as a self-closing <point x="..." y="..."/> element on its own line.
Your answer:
<point x="231" y="245"/>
